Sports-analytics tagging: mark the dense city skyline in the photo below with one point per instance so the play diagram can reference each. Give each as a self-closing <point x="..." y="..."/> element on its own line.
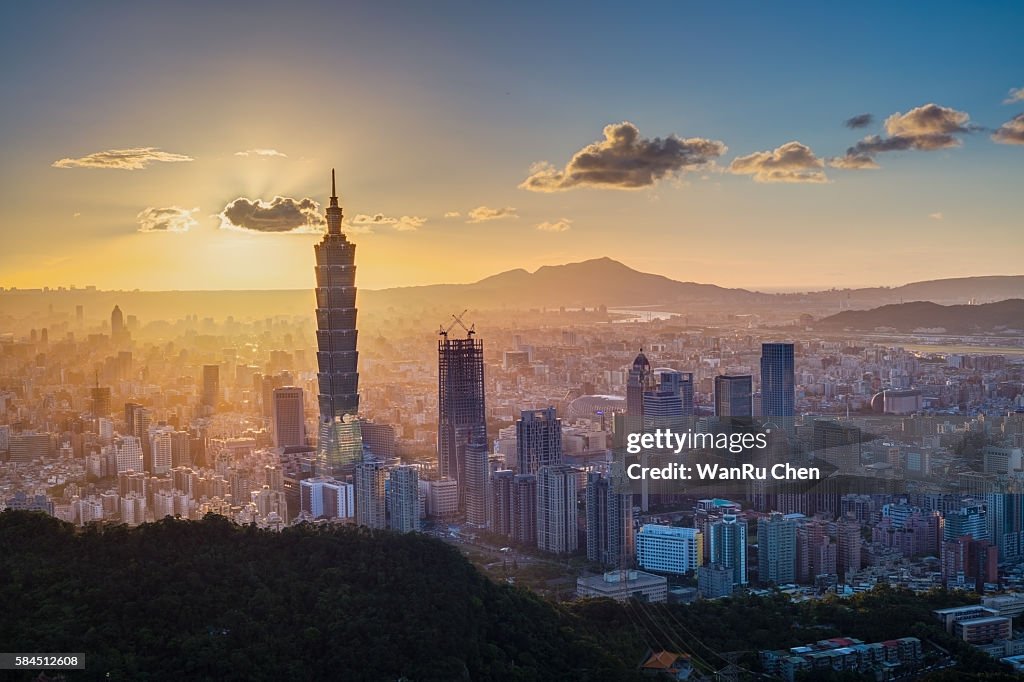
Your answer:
<point x="721" y="155"/>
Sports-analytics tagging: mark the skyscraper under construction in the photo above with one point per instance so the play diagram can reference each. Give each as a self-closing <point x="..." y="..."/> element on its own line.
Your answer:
<point x="461" y="419"/>
<point x="340" y="443"/>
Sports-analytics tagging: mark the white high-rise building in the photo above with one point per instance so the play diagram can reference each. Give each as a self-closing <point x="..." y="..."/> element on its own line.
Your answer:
<point x="161" y="446"/>
<point x="326" y="497"/>
<point x="371" y="510"/>
<point x="404" y="499"/>
<point x="129" y="453"/>
<point x="667" y="549"/>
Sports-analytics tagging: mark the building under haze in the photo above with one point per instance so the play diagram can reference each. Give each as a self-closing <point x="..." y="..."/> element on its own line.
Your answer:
<point x="340" y="437"/>
<point x="289" y="417"/>
<point x="556" y="509"/>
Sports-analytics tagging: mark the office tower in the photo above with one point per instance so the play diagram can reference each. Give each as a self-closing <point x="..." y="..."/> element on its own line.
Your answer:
<point x="777" y="386"/>
<point x="162" y="448"/>
<point x="404" y="499"/>
<point x="443" y="498"/>
<point x="340" y="438"/>
<point x="461" y="418"/>
<point x="477" y="478"/>
<point x="668" y="549"/>
<point x="117" y="332"/>
<point x="267" y="386"/>
<point x="971" y="520"/>
<point x="848" y="544"/>
<point x="378" y="439"/>
<point x="1005" y="524"/>
<point x="524" y="509"/>
<point x="100" y="401"/>
<point x="502" y="502"/>
<point x="129" y="453"/>
<point x="538" y="440"/>
<point x="838" y="444"/>
<point x="79" y="315"/>
<point x="289" y="417"/>
<point x="326" y="497"/>
<point x="776" y="549"/>
<point x="556" y="509"/>
<point x="666" y="405"/>
<point x="609" y="522"/>
<point x="637" y="384"/>
<point x="370" y="477"/>
<point x="733" y="396"/>
<point x="728" y="546"/>
<point x="30" y="445"/>
<point x="211" y="386"/>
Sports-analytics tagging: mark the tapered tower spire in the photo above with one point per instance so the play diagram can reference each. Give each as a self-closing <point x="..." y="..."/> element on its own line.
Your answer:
<point x="333" y="211"/>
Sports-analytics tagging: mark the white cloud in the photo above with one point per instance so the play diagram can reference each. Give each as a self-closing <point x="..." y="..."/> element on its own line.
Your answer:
<point x="169" y="219"/>
<point x="483" y="214"/>
<point x="556" y="226"/>
<point x="261" y="152"/>
<point x="135" y="158"/>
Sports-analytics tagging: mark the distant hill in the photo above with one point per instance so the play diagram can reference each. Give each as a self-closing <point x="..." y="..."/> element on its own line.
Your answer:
<point x="955" y="319"/>
<point x="588" y="283"/>
<point x="600" y="281"/>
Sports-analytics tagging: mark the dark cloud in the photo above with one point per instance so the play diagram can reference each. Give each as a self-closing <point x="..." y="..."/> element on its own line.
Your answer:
<point x="1011" y="132"/>
<point x="925" y="128"/>
<point x="135" y="158"/>
<point x="624" y="160"/>
<point x="791" y="162"/>
<point x="169" y="219"/>
<point x="859" y="121"/>
<point x="281" y="214"/>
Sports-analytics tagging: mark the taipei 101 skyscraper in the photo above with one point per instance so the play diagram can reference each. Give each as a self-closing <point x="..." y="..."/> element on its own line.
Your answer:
<point x="340" y="442"/>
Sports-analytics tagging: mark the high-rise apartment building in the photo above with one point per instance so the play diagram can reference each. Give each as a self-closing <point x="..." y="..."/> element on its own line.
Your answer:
<point x="556" y="509"/>
<point x="609" y="522"/>
<point x="538" y="440"/>
<point x="776" y="549"/>
<point x="370" y="477"/>
<point x="728" y="546"/>
<point x="404" y="499"/>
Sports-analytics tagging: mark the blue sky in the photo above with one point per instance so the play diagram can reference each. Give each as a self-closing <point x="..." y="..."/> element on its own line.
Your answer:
<point x="433" y="109"/>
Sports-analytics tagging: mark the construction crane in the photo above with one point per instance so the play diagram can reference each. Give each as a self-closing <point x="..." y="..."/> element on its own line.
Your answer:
<point x="457" y="320"/>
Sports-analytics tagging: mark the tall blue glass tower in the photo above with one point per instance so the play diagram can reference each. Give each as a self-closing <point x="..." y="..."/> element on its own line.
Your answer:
<point x="777" y="388"/>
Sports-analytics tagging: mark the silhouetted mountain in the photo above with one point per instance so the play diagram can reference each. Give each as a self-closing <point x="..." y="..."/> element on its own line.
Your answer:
<point x="926" y="315"/>
<point x="600" y="281"/>
<point x="589" y="283"/>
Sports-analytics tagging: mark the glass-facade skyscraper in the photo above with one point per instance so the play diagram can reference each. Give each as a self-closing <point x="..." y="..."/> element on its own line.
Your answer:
<point x="340" y="443"/>
<point x="777" y="387"/>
